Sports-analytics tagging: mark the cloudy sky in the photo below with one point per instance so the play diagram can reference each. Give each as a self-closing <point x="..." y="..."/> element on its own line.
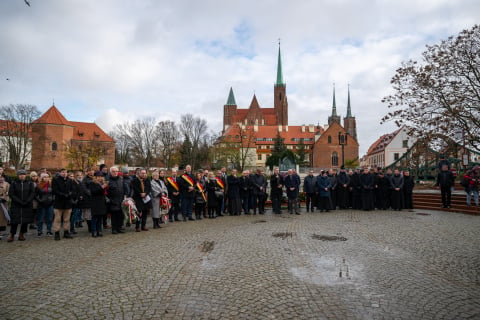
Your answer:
<point x="113" y="61"/>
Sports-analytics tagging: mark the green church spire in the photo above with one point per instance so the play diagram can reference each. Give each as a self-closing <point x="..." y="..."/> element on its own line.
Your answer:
<point x="231" y="98"/>
<point x="349" y="108"/>
<point x="279" y="69"/>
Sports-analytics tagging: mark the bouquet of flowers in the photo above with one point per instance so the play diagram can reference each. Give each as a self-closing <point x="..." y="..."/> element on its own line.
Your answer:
<point x="130" y="211"/>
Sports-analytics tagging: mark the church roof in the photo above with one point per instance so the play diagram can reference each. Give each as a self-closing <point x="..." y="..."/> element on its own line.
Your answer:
<point x="53" y="116"/>
<point x="231" y="99"/>
<point x="279" y="69"/>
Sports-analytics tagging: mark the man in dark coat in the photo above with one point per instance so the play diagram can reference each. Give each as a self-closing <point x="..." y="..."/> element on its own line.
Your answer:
<point x="21" y="193"/>
<point x="367" y="183"/>
<point x="292" y="185"/>
<point x="356" y="190"/>
<point x="343" y="182"/>
<point x="141" y="195"/>
<point x="259" y="184"/>
<point x="309" y="187"/>
<point x="276" y="190"/>
<point x="396" y="182"/>
<point x="382" y="184"/>
<point x="173" y="187"/>
<point x="245" y="186"/>
<point x="233" y="191"/>
<point x="445" y="180"/>
<point x="408" y="185"/>
<point x="187" y="193"/>
<point x="117" y="191"/>
<point x="63" y="189"/>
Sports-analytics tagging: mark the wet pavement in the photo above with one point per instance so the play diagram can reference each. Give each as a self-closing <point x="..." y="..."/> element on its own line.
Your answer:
<point x="336" y="265"/>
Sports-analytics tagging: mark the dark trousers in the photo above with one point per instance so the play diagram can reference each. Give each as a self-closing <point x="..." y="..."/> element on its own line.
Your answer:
<point x="14" y="226"/>
<point x="310" y="200"/>
<point x="96" y="224"/>
<point x="260" y="203"/>
<point x="143" y="219"/>
<point x="174" y="211"/>
<point x="199" y="210"/>
<point x="276" y="202"/>
<point x="187" y="204"/>
<point x="245" y="202"/>
<point x="446" y="195"/>
<point x="117" y="219"/>
<point x="324" y="203"/>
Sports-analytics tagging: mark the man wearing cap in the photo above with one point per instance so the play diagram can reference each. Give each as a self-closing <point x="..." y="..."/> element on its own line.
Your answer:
<point x="62" y="205"/>
<point x="21" y="193"/>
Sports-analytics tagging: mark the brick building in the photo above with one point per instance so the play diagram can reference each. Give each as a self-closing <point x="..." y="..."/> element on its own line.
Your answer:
<point x="59" y="143"/>
<point x="323" y="146"/>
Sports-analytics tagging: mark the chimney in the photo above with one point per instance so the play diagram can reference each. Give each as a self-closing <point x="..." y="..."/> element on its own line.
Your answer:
<point x="286" y="128"/>
<point x="303" y="128"/>
<point x="255" y="128"/>
<point x="279" y="128"/>
<point x="311" y="128"/>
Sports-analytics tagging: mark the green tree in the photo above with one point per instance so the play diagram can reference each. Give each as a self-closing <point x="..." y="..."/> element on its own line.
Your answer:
<point x="185" y="152"/>
<point x="438" y="98"/>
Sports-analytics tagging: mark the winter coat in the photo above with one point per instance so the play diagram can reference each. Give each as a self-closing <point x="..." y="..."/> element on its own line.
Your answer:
<point x="116" y="193"/>
<point x="44" y="195"/>
<point x="397" y="181"/>
<point x="445" y="179"/>
<point x="137" y="189"/>
<point x="292" y="181"/>
<point x="259" y="180"/>
<point x="233" y="183"/>
<point x="185" y="186"/>
<point x="171" y="190"/>
<point x="21" y="193"/>
<point x="310" y="184"/>
<point x="211" y="187"/>
<point x="322" y="183"/>
<point x="245" y="185"/>
<point x="97" y="200"/>
<point x="63" y="190"/>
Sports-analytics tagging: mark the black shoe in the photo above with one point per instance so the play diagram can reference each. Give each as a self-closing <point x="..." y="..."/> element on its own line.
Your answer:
<point x="94" y="235"/>
<point x="191" y="219"/>
<point x="57" y="236"/>
<point x="99" y="234"/>
<point x="120" y="231"/>
<point x="32" y="227"/>
<point x="297" y="213"/>
<point x="72" y="231"/>
<point x="67" y="235"/>
<point x="39" y="234"/>
<point x="114" y="232"/>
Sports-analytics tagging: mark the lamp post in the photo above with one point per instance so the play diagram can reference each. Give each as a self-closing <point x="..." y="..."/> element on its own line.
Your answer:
<point x="342" y="140"/>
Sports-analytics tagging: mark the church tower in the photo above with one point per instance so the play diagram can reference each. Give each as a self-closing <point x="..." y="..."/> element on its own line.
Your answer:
<point x="349" y="122"/>
<point x="334" y="117"/>
<point x="280" y="104"/>
<point x="229" y="110"/>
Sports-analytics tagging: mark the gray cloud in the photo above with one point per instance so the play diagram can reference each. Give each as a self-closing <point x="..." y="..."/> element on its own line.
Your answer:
<point x="112" y="61"/>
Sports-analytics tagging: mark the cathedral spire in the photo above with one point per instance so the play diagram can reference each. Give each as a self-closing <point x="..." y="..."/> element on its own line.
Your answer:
<point x="279" y="68"/>
<point x="349" y="108"/>
<point x="334" y="104"/>
<point x="231" y="99"/>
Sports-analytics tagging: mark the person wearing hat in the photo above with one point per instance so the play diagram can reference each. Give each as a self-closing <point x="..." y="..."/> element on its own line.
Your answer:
<point x="21" y="194"/>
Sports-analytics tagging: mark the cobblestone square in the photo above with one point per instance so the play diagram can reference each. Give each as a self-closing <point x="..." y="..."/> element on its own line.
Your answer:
<point x="337" y="265"/>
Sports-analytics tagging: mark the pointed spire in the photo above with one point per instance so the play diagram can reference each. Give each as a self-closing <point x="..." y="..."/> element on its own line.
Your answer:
<point x="334" y="105"/>
<point x="349" y="108"/>
<point x="231" y="99"/>
<point x="279" y="68"/>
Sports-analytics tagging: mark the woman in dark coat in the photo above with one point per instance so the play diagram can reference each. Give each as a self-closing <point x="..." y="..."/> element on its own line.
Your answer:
<point x="98" y="204"/>
<point x="21" y="193"/>
<point x="212" y="201"/>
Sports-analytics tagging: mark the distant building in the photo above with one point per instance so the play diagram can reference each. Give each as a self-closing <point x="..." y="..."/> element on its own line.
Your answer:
<point x="259" y="127"/>
<point x="53" y="136"/>
<point x="387" y="149"/>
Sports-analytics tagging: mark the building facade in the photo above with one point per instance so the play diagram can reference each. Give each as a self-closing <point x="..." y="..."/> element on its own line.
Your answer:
<point x="59" y="143"/>
<point x="255" y="129"/>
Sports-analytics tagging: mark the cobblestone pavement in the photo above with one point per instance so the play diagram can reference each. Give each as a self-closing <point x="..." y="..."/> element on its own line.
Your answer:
<point x="336" y="265"/>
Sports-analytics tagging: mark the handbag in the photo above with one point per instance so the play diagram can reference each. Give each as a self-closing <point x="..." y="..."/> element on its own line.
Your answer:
<point x="219" y="194"/>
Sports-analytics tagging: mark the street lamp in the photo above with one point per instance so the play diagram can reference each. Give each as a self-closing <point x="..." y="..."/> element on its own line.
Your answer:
<point x="342" y="140"/>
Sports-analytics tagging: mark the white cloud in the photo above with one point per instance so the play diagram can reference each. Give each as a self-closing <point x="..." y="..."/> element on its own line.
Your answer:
<point x="112" y="61"/>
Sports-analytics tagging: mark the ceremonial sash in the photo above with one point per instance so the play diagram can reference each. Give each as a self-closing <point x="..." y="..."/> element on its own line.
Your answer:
<point x="189" y="180"/>
<point x="200" y="187"/>
<point x="220" y="183"/>
<point x="173" y="183"/>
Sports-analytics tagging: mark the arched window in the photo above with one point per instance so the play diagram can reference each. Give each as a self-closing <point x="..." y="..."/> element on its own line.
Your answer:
<point x="280" y="96"/>
<point x="334" y="159"/>
<point x="54" y="146"/>
<point x="329" y="139"/>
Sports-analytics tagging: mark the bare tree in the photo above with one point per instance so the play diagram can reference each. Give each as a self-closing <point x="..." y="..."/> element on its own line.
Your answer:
<point x="141" y="138"/>
<point x="15" y="134"/>
<point x="439" y="99"/>
<point x="168" y="137"/>
<point x="122" y="147"/>
<point x="195" y="129"/>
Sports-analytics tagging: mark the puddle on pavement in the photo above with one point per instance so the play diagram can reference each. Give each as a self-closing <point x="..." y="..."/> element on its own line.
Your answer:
<point x="328" y="238"/>
<point x="423" y="214"/>
<point x="282" y="235"/>
<point x="207" y="246"/>
<point x="259" y="221"/>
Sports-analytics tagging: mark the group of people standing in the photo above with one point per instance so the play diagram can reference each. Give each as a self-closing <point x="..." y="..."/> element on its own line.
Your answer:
<point x="366" y="189"/>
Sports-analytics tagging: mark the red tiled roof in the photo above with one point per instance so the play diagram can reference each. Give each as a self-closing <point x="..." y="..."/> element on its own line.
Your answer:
<point x="86" y="131"/>
<point x="382" y="142"/>
<point x="53" y="116"/>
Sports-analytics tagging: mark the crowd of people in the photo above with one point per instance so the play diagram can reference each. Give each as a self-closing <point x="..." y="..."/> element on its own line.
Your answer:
<point x="67" y="200"/>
